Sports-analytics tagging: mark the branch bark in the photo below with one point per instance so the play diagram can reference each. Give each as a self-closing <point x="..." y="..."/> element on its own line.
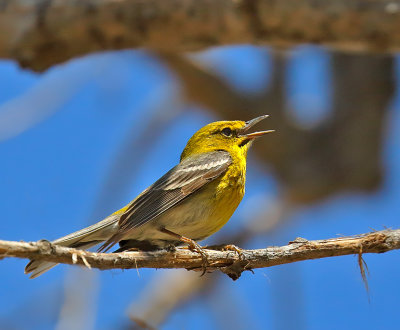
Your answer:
<point x="228" y="262"/>
<point x="40" y="34"/>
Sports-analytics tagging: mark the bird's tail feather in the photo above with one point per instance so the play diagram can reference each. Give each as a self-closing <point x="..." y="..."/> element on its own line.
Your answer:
<point x="82" y="239"/>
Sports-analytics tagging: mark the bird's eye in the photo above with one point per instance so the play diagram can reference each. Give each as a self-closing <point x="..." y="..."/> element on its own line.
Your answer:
<point x="227" y="131"/>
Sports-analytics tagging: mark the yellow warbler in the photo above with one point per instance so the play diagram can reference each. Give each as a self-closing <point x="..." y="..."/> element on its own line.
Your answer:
<point x="189" y="203"/>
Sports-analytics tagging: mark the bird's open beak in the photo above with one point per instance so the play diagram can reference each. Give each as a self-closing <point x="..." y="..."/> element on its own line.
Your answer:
<point x="250" y="124"/>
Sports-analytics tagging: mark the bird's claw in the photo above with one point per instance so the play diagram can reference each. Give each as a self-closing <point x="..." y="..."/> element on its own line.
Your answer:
<point x="195" y="247"/>
<point x="238" y="250"/>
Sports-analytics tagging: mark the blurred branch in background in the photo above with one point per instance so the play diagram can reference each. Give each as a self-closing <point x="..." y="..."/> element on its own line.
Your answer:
<point x="39" y="34"/>
<point x="37" y="104"/>
<point x="79" y="307"/>
<point x="342" y="153"/>
<point x="165" y="293"/>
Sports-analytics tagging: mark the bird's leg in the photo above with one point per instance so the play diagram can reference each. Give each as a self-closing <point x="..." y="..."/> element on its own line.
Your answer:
<point x="193" y="246"/>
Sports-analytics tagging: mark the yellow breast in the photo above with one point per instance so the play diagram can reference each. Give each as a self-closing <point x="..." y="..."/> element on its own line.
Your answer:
<point x="229" y="193"/>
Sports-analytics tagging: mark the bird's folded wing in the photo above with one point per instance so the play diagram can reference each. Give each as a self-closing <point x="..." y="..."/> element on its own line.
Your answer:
<point x="180" y="182"/>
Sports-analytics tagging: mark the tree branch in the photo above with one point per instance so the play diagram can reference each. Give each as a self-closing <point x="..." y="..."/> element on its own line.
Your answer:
<point x="40" y="34"/>
<point x="228" y="262"/>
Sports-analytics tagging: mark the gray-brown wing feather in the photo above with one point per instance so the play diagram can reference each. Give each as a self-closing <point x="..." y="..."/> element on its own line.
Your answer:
<point x="172" y="188"/>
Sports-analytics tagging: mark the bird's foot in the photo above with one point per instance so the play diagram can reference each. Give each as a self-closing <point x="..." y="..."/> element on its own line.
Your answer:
<point x="195" y="247"/>
<point x="238" y="250"/>
<point x="192" y="245"/>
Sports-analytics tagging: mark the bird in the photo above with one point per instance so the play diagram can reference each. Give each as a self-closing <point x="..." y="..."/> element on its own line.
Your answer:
<point x="192" y="201"/>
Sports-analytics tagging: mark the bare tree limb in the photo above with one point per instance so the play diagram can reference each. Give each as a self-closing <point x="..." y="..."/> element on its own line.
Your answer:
<point x="40" y="34"/>
<point x="228" y="262"/>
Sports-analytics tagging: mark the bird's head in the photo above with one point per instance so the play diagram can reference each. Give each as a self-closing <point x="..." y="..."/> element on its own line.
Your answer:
<point x="231" y="136"/>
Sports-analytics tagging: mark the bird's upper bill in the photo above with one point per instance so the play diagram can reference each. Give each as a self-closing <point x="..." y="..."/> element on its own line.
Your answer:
<point x="249" y="124"/>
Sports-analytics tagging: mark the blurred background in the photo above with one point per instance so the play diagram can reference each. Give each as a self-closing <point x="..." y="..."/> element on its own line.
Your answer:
<point x="83" y="138"/>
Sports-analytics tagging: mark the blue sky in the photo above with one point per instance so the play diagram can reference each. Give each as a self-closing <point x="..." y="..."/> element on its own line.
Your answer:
<point x="63" y="132"/>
